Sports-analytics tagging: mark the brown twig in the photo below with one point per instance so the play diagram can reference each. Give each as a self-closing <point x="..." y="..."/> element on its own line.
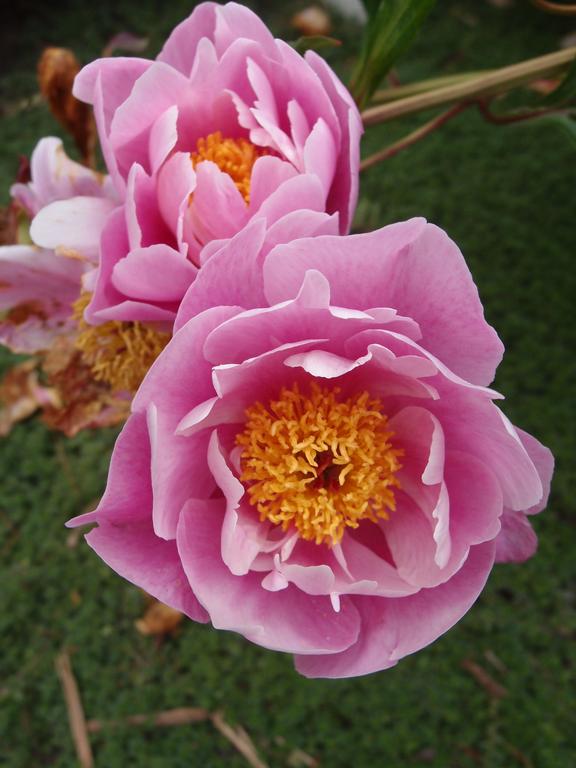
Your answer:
<point x="494" y="689"/>
<point x="413" y="137"/>
<point x="489" y="84"/>
<point x="557" y="8"/>
<point x="240" y="739"/>
<point x="178" y="716"/>
<point x="75" y="710"/>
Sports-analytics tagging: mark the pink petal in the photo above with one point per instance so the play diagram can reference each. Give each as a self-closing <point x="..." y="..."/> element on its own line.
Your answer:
<point x="150" y="563"/>
<point x="543" y="460"/>
<point x="394" y="628"/>
<point x="157" y="273"/>
<point x="414" y="268"/>
<point x="239" y="261"/>
<point x="74" y="224"/>
<point x="287" y="620"/>
<point x="180" y="49"/>
<point x="517" y="541"/>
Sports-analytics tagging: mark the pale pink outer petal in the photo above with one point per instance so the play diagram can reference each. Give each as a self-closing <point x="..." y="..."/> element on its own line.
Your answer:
<point x="48" y="281"/>
<point x="55" y="177"/>
<point x="155" y="91"/>
<point x="230" y="277"/>
<point x="411" y="266"/>
<point x="543" y="460"/>
<point x="344" y="193"/>
<point x="178" y="379"/>
<point x="394" y="628"/>
<point x="75" y="224"/>
<point x="157" y="273"/>
<point x="287" y="620"/>
<point x="180" y="49"/>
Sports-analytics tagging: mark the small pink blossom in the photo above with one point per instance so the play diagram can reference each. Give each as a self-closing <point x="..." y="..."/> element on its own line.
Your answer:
<point x="226" y="125"/>
<point x="389" y="326"/>
<point x="40" y="279"/>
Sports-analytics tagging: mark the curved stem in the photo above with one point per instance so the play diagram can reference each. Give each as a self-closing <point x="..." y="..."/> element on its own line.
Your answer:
<point x="413" y="137"/>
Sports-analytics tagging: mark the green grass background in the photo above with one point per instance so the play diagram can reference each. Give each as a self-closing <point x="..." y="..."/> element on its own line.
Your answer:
<point x="506" y="195"/>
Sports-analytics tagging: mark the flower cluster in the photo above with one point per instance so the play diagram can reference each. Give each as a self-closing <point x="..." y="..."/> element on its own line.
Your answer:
<point x="314" y="458"/>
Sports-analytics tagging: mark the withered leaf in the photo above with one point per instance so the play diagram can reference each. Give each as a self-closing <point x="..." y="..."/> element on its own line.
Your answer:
<point x="57" y="68"/>
<point x="159" y="619"/>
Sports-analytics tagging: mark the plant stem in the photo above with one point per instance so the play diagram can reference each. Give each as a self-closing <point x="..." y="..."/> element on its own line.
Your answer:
<point x="486" y="85"/>
<point x="558" y="8"/>
<point x="402" y="91"/>
<point x="413" y="137"/>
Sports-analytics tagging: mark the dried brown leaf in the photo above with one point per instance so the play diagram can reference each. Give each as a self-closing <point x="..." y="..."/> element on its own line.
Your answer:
<point x="75" y="710"/>
<point x="82" y="403"/>
<point x="240" y="739"/>
<point x="21" y="394"/>
<point x="159" y="620"/>
<point x="57" y="68"/>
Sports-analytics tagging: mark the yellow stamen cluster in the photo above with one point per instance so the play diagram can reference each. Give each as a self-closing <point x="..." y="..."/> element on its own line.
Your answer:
<point x="236" y="157"/>
<point x="318" y="463"/>
<point x="118" y="353"/>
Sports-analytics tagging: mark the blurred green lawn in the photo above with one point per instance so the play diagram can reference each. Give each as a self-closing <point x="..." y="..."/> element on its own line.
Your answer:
<point x="506" y="195"/>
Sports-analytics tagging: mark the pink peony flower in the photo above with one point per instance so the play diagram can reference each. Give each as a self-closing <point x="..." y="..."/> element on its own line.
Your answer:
<point x="40" y="278"/>
<point x="228" y="124"/>
<point x="315" y="460"/>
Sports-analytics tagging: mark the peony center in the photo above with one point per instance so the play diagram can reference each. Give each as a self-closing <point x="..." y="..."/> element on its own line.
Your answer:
<point x="118" y="353"/>
<point x="318" y="462"/>
<point x="236" y="157"/>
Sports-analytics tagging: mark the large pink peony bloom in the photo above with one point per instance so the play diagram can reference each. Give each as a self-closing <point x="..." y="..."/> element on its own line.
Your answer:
<point x="41" y="277"/>
<point x="228" y="124"/>
<point x="315" y="460"/>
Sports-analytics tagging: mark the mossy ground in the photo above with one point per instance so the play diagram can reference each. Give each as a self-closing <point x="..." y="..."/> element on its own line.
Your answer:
<point x="506" y="195"/>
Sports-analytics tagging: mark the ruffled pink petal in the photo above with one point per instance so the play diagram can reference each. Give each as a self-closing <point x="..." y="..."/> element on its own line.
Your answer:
<point x="218" y="209"/>
<point x="181" y="377"/>
<point x="268" y="173"/>
<point x="114" y="246"/>
<point x="179" y="470"/>
<point x="394" y="628"/>
<point x="543" y="460"/>
<point x="320" y="154"/>
<point x="157" y="273"/>
<point x="56" y="177"/>
<point x="344" y="192"/>
<point x="139" y="556"/>
<point x="163" y="137"/>
<point x="517" y="541"/>
<point x="413" y="267"/>
<point x="242" y="533"/>
<point x="128" y="495"/>
<point x="180" y="49"/>
<point x="287" y="620"/>
<point x="175" y="183"/>
<point x="74" y="224"/>
<point x="239" y="261"/>
<point x="155" y="91"/>
<point x="235" y="21"/>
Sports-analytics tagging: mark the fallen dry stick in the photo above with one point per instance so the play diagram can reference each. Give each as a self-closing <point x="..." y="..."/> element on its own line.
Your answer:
<point x="240" y="739"/>
<point x="179" y="716"/>
<point x="75" y="710"/>
<point x="482" y="677"/>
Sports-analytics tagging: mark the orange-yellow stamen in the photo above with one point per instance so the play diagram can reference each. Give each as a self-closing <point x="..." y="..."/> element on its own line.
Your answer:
<point x="118" y="353"/>
<point x="319" y="463"/>
<point x="236" y="157"/>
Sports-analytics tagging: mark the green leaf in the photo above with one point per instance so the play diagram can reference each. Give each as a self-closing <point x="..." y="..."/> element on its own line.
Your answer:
<point x="391" y="28"/>
<point x="314" y="43"/>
